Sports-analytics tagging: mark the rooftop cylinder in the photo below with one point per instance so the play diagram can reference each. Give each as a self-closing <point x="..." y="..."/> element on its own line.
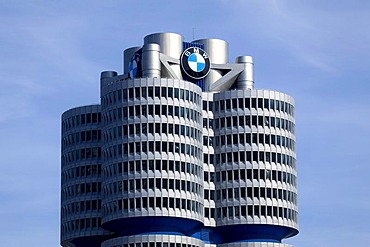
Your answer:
<point x="151" y="63"/>
<point x="218" y="52"/>
<point x="170" y="45"/>
<point x="245" y="80"/>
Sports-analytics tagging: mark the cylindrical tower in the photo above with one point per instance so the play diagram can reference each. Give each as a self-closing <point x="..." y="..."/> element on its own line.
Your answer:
<point x="81" y="177"/>
<point x="152" y="148"/>
<point x="246" y="79"/>
<point x="255" y="161"/>
<point x="159" y="163"/>
<point x="170" y="45"/>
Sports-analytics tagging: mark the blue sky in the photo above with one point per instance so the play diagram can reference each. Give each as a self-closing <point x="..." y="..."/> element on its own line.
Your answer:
<point x="52" y="53"/>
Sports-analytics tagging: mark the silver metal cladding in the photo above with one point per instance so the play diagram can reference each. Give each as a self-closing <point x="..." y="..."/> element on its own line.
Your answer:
<point x="217" y="49"/>
<point x="218" y="52"/>
<point x="151" y="63"/>
<point x="171" y="45"/>
<point x="246" y="79"/>
<point x="181" y="149"/>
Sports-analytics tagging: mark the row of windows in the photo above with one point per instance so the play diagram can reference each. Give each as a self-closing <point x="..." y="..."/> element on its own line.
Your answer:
<point x="151" y="146"/>
<point x="140" y="111"/>
<point x="81" y="206"/>
<point x="138" y="185"/>
<point x="134" y="185"/>
<point x="208" y="158"/>
<point x="257" y="174"/>
<point x="224" y="194"/>
<point x="256" y="192"/>
<point x="248" y="103"/>
<point x="155" y="244"/>
<point x="133" y="204"/>
<point x="131" y="167"/>
<point x="231" y="212"/>
<point x="80" y="224"/>
<point x="207" y="141"/>
<point x="256" y="156"/>
<point x="209" y="212"/>
<point x="82" y="119"/>
<point x="82" y="172"/>
<point x="208" y="176"/>
<point x="81" y="137"/>
<point x="262" y="121"/>
<point x="207" y="123"/>
<point x="209" y="194"/>
<point x="227" y="122"/>
<point x="248" y="138"/>
<point x="144" y="92"/>
<point x="82" y="154"/>
<point x="81" y="189"/>
<point x="259" y="211"/>
<point x="154" y="146"/>
<point x="151" y="128"/>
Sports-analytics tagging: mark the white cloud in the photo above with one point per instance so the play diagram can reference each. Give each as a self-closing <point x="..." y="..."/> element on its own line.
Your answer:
<point x="321" y="38"/>
<point x="43" y="53"/>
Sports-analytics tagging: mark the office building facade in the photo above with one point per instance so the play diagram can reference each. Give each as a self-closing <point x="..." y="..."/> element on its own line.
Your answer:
<point x="182" y="151"/>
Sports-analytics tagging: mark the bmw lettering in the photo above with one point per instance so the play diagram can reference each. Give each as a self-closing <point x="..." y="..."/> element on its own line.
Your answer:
<point x="195" y="63"/>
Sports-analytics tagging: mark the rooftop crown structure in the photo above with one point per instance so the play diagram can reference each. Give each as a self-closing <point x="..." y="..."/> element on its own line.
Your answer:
<point x="182" y="151"/>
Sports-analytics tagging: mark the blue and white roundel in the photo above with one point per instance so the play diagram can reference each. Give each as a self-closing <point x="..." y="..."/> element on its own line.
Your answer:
<point x="196" y="62"/>
<point x="133" y="68"/>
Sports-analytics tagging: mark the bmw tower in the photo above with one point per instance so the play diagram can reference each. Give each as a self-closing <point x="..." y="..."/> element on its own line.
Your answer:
<point x="182" y="151"/>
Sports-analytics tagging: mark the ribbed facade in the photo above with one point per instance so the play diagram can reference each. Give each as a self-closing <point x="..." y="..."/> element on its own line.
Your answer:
<point x="256" y="189"/>
<point x="157" y="240"/>
<point x="157" y="154"/>
<point x="161" y="162"/>
<point x="81" y="175"/>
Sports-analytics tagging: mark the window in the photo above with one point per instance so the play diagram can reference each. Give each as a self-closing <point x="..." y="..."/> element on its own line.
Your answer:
<point x="150" y="92"/>
<point x="260" y="103"/>
<point x="137" y="92"/>
<point x="170" y="92"/>
<point x="254" y="103"/>
<point x="157" y="91"/>
<point x="131" y="93"/>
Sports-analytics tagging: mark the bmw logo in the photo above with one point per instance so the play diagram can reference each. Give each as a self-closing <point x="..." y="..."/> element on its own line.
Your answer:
<point x="135" y="66"/>
<point x="195" y="63"/>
